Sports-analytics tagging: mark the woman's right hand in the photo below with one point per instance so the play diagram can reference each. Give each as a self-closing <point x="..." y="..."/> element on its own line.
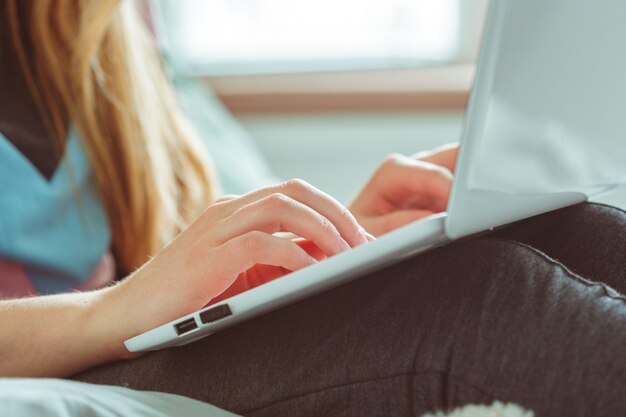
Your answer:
<point x="226" y="240"/>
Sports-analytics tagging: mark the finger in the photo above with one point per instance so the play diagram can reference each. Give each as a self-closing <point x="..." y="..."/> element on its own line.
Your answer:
<point x="444" y="156"/>
<point x="404" y="181"/>
<point x="226" y="198"/>
<point x="424" y="202"/>
<point x="245" y="251"/>
<point x="311" y="248"/>
<point x="370" y="237"/>
<point x="253" y="277"/>
<point x="279" y="213"/>
<point x="310" y="196"/>
<point x="401" y="218"/>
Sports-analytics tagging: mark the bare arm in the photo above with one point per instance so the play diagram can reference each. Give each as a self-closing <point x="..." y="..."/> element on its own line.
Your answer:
<point x="63" y="334"/>
<point x="55" y="335"/>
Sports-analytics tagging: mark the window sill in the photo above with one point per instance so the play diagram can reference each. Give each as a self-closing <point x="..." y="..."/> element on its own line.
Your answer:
<point x="427" y="88"/>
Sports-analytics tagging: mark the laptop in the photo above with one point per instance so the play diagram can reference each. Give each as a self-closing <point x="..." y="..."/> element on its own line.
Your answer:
<point x="544" y="130"/>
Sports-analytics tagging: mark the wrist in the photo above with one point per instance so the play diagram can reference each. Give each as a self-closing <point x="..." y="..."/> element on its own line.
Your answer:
<point x="110" y="322"/>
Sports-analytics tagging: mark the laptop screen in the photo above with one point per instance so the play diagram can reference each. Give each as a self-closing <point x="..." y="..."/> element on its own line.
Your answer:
<point x="544" y="127"/>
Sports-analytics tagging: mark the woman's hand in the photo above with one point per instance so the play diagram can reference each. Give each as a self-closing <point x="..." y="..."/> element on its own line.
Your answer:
<point x="230" y="242"/>
<point x="261" y="274"/>
<point x="225" y="242"/>
<point x="405" y="189"/>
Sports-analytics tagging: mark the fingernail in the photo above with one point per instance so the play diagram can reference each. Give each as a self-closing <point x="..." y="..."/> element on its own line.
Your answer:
<point x="362" y="237"/>
<point x="344" y="245"/>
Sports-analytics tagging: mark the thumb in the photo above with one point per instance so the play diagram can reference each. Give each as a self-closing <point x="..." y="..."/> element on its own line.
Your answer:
<point x="226" y="198"/>
<point x="399" y="218"/>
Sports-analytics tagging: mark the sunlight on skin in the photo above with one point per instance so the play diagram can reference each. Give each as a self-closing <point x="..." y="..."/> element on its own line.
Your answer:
<point x="421" y="185"/>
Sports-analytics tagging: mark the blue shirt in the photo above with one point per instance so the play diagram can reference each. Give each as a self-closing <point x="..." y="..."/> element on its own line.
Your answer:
<point x="54" y="234"/>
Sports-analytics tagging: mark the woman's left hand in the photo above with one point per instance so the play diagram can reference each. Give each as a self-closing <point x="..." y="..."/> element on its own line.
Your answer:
<point x="402" y="190"/>
<point x="405" y="189"/>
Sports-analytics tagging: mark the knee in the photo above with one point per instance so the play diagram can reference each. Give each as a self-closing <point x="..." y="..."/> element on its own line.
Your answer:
<point x="495" y="284"/>
<point x="580" y="222"/>
<point x="474" y="268"/>
<point x="591" y="217"/>
<point x="482" y="282"/>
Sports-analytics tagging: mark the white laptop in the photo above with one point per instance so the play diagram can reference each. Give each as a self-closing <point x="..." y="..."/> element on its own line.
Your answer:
<point x="544" y="130"/>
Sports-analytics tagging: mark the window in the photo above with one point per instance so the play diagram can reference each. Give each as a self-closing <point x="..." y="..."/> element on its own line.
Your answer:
<point x="265" y="36"/>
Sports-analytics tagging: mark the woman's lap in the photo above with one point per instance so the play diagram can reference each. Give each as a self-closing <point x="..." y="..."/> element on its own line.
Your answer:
<point x="590" y="239"/>
<point x="478" y="320"/>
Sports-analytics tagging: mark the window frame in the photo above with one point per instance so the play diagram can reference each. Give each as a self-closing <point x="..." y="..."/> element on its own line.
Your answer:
<point x="426" y="88"/>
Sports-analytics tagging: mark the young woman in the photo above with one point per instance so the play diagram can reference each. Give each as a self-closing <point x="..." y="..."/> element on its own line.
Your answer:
<point x="104" y="177"/>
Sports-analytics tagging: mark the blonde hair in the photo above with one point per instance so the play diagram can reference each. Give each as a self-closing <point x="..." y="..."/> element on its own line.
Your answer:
<point x="94" y="62"/>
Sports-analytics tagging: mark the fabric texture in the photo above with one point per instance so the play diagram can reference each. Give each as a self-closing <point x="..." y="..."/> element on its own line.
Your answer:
<point x="497" y="409"/>
<point x="59" y="398"/>
<point x="54" y="234"/>
<point x="52" y="231"/>
<point x="482" y="319"/>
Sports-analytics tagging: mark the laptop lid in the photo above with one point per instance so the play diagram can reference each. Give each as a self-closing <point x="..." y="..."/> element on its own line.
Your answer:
<point x="545" y="123"/>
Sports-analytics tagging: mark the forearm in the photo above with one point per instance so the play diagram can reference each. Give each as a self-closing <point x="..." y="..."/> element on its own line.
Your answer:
<point x="64" y="334"/>
<point x="60" y="335"/>
<point x="57" y="335"/>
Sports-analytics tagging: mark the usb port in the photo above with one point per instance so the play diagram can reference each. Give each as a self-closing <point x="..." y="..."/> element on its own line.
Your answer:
<point x="186" y="326"/>
<point x="215" y="314"/>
